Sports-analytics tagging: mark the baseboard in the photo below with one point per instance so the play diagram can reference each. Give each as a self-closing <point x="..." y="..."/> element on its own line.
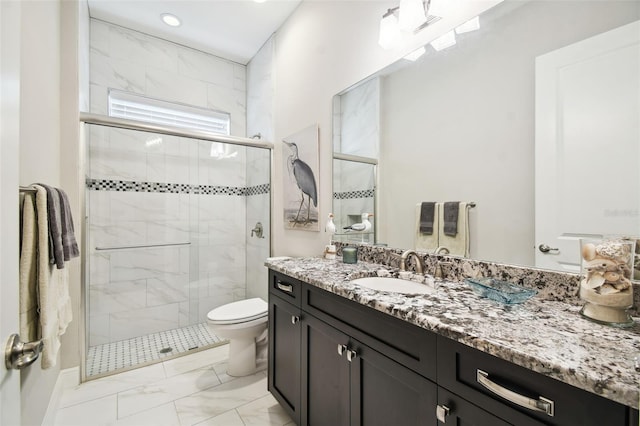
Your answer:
<point x="67" y="378"/>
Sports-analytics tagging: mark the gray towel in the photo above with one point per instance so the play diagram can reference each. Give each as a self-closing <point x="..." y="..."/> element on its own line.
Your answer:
<point x="54" y="215"/>
<point x="427" y="210"/>
<point x="69" y="243"/>
<point x="62" y="240"/>
<point x="450" y="214"/>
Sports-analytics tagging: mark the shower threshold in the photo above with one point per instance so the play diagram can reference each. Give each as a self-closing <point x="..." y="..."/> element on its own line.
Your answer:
<point x="113" y="357"/>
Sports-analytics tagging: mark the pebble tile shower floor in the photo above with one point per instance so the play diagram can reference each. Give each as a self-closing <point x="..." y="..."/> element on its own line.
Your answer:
<point x="127" y="353"/>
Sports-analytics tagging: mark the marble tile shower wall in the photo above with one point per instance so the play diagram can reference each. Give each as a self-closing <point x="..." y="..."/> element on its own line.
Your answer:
<point x="131" y="61"/>
<point x="166" y="287"/>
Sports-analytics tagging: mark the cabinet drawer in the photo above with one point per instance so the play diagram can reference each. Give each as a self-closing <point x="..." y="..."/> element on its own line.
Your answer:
<point x="405" y="343"/>
<point x="456" y="411"/>
<point x="463" y="370"/>
<point x="285" y="287"/>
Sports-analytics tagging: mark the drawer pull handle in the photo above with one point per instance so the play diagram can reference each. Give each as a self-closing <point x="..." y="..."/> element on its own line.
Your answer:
<point x="294" y="319"/>
<point x="351" y="355"/>
<point x="341" y="349"/>
<point x="442" y="411"/>
<point x="541" y="404"/>
<point x="284" y="287"/>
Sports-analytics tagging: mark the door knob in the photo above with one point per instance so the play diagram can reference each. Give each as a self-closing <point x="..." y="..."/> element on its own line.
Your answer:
<point x="546" y="249"/>
<point x="19" y="354"/>
<point x="295" y="319"/>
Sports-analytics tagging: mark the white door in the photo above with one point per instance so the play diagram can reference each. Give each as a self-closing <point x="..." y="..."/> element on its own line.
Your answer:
<point x="587" y="144"/>
<point x="9" y="133"/>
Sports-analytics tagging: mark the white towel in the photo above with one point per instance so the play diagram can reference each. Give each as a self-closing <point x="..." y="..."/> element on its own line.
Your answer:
<point x="28" y="269"/>
<point x="424" y="242"/>
<point x="52" y="286"/>
<point x="458" y="245"/>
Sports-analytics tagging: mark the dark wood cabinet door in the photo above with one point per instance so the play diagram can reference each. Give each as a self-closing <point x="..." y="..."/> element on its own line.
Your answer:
<point x="325" y="374"/>
<point x="284" y="355"/>
<point x="384" y="392"/>
<point x="462" y="413"/>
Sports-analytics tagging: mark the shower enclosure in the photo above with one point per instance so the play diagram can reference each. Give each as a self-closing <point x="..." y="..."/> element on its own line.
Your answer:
<point x="168" y="237"/>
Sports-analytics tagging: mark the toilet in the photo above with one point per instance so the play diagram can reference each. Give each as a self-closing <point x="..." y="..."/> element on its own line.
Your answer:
<point x="244" y="324"/>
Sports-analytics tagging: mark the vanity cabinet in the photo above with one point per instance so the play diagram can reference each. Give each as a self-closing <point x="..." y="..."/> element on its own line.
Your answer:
<point x="325" y="371"/>
<point x="285" y="343"/>
<point x="347" y="382"/>
<point x="521" y="396"/>
<point x="333" y="361"/>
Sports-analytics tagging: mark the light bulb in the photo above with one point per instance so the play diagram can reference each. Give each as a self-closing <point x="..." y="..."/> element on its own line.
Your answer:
<point x="411" y="14"/>
<point x="389" y="31"/>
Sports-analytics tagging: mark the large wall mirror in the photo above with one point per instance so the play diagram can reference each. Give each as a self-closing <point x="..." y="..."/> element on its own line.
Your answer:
<point x="534" y="117"/>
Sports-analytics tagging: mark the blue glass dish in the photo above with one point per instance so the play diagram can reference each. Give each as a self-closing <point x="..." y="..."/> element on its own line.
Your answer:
<point x="500" y="291"/>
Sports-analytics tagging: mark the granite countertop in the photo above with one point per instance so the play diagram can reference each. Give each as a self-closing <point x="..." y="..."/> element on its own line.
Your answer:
<point x="549" y="337"/>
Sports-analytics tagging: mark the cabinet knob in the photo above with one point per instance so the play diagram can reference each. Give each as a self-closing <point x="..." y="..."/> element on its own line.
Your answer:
<point x="351" y="355"/>
<point x="442" y="411"/>
<point x="295" y="319"/>
<point x="341" y="349"/>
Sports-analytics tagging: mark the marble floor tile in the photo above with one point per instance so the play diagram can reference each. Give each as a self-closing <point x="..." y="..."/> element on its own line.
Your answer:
<point x="98" y="388"/>
<point x="164" y="415"/>
<point x="193" y="389"/>
<point x="161" y="392"/>
<point x="102" y="411"/>
<point x="263" y="411"/>
<point x="197" y="360"/>
<point x="229" y="418"/>
<point x="219" y="399"/>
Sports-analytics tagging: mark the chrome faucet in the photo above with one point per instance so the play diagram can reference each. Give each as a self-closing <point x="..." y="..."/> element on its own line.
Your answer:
<point x="441" y="250"/>
<point x="405" y="256"/>
<point x="438" y="272"/>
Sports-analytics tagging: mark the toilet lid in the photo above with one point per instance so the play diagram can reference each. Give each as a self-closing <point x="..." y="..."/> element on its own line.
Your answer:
<point x="240" y="311"/>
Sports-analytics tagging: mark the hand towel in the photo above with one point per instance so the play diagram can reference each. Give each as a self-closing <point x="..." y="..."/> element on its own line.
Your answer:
<point x="69" y="243"/>
<point x="458" y="245"/>
<point x="426" y="242"/>
<point x="56" y="253"/>
<point x="450" y="217"/>
<point x="28" y="280"/>
<point x="54" y="303"/>
<point x="426" y="217"/>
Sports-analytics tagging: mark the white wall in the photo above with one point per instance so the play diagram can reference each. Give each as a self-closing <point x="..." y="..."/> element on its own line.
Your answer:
<point x="41" y="112"/>
<point x="322" y="49"/>
<point x="459" y="124"/>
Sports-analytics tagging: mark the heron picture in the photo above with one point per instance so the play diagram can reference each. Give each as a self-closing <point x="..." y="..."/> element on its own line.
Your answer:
<point x="301" y="165"/>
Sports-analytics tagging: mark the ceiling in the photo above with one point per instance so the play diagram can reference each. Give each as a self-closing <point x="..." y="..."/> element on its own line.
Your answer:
<point x="231" y="29"/>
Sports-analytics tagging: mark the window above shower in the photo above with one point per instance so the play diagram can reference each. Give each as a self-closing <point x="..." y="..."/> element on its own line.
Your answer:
<point x="142" y="108"/>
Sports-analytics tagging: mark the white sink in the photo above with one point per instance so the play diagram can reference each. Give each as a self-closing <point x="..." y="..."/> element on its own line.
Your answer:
<point x="395" y="285"/>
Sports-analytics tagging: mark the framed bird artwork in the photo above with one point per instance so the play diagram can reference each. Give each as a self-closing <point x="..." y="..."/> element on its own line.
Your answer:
<point x="301" y="168"/>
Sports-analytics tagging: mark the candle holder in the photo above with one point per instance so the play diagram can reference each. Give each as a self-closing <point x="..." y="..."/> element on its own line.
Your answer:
<point x="605" y="285"/>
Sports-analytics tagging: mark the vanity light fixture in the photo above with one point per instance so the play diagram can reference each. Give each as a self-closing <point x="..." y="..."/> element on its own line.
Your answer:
<point x="411" y="14"/>
<point x="444" y="41"/>
<point x="389" y="30"/>
<point x="416" y="54"/>
<point x="171" y="20"/>
<point x="470" y="25"/>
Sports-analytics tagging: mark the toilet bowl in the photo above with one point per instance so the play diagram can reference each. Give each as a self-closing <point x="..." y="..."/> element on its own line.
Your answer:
<point x="244" y="324"/>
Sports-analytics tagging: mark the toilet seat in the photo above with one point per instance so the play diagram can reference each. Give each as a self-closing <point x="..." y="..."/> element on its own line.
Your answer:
<point x="241" y="311"/>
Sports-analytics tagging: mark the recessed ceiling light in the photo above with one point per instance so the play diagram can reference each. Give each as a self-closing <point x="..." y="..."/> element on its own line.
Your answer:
<point x="259" y="1"/>
<point x="171" y="20"/>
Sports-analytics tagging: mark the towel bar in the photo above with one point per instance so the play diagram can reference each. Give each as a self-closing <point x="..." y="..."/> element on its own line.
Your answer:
<point x="142" y="246"/>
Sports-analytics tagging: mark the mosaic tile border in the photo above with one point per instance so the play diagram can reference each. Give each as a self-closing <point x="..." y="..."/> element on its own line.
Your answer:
<point x="175" y="188"/>
<point x="365" y="193"/>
